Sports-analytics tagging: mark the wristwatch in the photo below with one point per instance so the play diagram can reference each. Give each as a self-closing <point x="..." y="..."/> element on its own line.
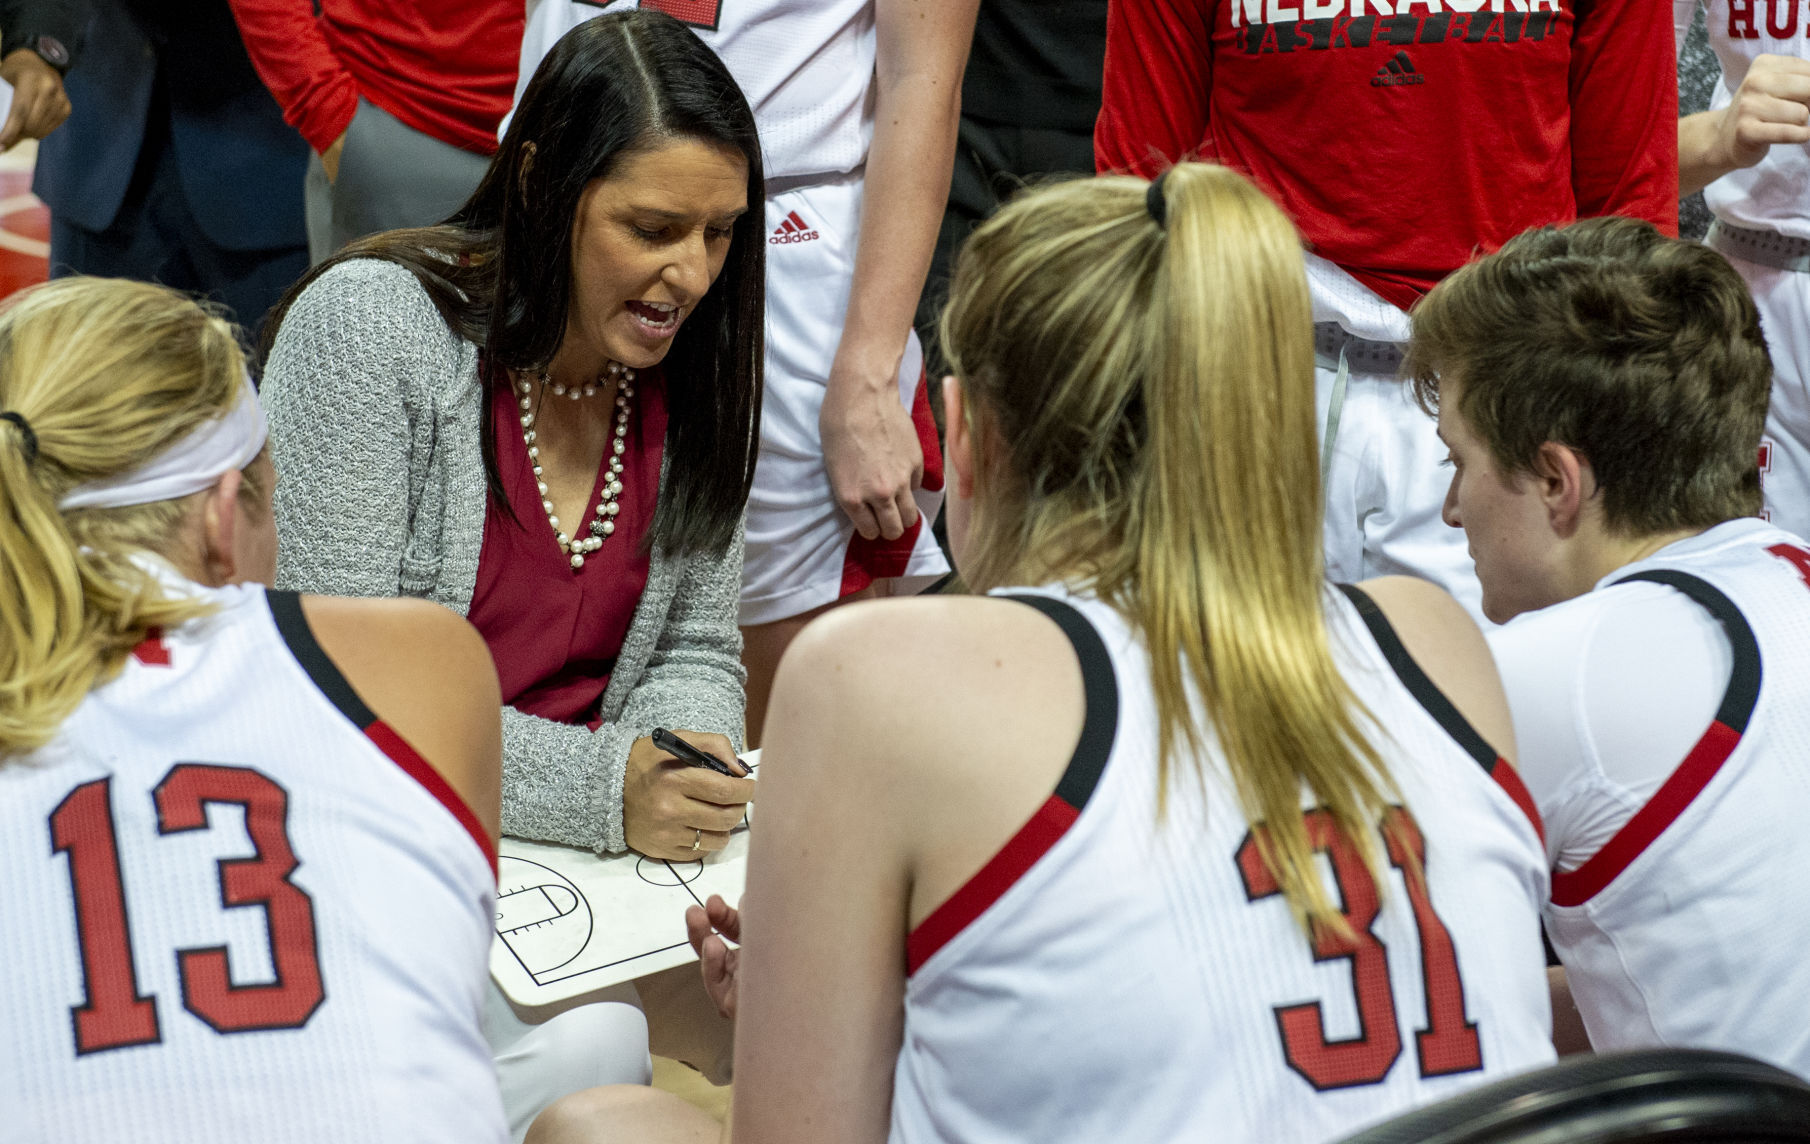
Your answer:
<point x="49" y="49"/>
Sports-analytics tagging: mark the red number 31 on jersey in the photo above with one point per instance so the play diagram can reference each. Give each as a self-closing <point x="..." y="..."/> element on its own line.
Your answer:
<point x="705" y="14"/>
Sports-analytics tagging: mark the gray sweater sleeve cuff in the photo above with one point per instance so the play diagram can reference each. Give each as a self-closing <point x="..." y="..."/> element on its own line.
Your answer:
<point x="563" y="783"/>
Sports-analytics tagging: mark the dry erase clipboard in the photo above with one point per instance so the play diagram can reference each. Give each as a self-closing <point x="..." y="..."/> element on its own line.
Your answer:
<point x="569" y="922"/>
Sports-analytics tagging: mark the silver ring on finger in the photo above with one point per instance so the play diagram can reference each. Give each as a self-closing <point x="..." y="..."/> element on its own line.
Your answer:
<point x="697" y="842"/>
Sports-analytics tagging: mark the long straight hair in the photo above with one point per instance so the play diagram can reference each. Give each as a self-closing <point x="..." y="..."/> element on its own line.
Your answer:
<point x="1144" y="398"/>
<point x="106" y="374"/>
<point x="500" y="269"/>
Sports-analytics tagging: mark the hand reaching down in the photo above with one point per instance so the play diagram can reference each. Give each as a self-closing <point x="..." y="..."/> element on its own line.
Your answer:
<point x="717" y="958"/>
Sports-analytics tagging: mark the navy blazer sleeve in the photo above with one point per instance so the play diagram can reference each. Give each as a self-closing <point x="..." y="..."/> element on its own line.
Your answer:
<point x="63" y="20"/>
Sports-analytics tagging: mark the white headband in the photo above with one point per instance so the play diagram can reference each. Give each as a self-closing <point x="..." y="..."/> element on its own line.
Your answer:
<point x="215" y="448"/>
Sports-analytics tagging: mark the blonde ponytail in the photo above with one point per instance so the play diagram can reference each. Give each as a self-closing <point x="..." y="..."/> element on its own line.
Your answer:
<point x="1153" y="388"/>
<point x="104" y="375"/>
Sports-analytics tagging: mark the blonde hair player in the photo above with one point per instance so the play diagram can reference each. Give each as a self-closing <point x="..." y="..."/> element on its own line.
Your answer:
<point x="1177" y="799"/>
<point x="247" y="834"/>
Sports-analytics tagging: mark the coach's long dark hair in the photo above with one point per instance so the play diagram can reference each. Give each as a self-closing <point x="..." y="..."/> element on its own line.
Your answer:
<point x="500" y="269"/>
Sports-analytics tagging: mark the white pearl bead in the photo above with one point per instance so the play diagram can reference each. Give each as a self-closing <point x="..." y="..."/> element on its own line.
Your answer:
<point x="553" y="520"/>
<point x="527" y="405"/>
<point x="619" y="448"/>
<point x="529" y="436"/>
<point x="534" y="450"/>
<point x="615" y="488"/>
<point x="527" y="420"/>
<point x="577" y="562"/>
<point x="542" y="486"/>
<point x="609" y="526"/>
<point x="610" y="509"/>
<point x="559" y="390"/>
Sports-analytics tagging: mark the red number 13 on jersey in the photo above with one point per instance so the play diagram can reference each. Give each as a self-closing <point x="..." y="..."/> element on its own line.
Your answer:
<point x="116" y="1014"/>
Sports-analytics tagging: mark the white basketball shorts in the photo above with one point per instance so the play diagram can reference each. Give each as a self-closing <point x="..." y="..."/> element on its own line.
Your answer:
<point x="1783" y="299"/>
<point x="1385" y="485"/>
<point x="803" y="551"/>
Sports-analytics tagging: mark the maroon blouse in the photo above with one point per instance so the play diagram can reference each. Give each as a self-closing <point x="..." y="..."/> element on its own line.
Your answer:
<point x="555" y="632"/>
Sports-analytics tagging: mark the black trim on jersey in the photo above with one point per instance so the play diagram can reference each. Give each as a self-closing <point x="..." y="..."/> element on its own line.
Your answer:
<point x="1744" y="681"/>
<point x="292" y="625"/>
<point x="1101" y="723"/>
<point x="1424" y="690"/>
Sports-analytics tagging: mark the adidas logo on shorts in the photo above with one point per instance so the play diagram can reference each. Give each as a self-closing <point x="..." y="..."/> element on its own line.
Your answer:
<point x="1397" y="72"/>
<point x="792" y="229"/>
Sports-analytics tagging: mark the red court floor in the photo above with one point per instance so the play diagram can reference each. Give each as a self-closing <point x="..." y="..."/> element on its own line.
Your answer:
<point x="24" y="224"/>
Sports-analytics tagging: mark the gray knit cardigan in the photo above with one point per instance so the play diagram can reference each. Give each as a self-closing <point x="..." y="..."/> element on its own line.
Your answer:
<point x="374" y="411"/>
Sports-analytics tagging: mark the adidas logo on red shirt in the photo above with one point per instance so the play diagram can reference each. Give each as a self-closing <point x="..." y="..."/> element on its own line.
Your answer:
<point x="1397" y="72"/>
<point x="793" y="229"/>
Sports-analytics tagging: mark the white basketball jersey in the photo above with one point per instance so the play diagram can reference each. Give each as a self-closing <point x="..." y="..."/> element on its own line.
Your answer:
<point x="1113" y="974"/>
<point x="1775" y="193"/>
<point x="806" y="67"/>
<point x="239" y="907"/>
<point x="1689" y="926"/>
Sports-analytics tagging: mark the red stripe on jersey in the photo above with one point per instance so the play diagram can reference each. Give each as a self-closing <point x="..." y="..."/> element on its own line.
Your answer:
<point x="797" y="223"/>
<point x="990" y="882"/>
<point x="1649" y="822"/>
<point x="925" y="423"/>
<point x="152" y="650"/>
<point x="1509" y="780"/>
<point x="423" y="772"/>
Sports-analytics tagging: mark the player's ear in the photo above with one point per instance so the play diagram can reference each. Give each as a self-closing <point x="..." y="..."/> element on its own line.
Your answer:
<point x="958" y="440"/>
<point x="1565" y="483"/>
<point x="219" y="523"/>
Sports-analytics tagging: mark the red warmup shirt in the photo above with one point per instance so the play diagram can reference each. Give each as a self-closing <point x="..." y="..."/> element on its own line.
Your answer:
<point x="555" y="633"/>
<point x="444" y="67"/>
<point x="1404" y="135"/>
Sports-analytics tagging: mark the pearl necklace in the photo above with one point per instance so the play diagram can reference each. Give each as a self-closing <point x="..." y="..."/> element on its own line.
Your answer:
<point x="607" y="508"/>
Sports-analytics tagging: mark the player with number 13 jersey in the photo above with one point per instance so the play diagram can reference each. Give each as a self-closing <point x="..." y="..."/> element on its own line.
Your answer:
<point x="247" y="835"/>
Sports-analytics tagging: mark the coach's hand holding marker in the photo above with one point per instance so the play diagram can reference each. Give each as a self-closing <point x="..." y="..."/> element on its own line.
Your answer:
<point x="677" y="807"/>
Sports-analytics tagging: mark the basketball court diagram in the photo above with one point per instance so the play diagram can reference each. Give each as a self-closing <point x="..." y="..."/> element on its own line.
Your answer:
<point x="569" y="922"/>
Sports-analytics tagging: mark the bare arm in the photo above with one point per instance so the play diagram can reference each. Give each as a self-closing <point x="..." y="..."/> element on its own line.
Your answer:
<point x="870" y="446"/>
<point x="1772" y="105"/>
<point x="871" y="817"/>
<point x="426" y="673"/>
<point x="1445" y="642"/>
<point x="820" y="1005"/>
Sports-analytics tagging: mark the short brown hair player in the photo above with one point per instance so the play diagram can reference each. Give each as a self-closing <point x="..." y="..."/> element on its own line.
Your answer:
<point x="1602" y="390"/>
